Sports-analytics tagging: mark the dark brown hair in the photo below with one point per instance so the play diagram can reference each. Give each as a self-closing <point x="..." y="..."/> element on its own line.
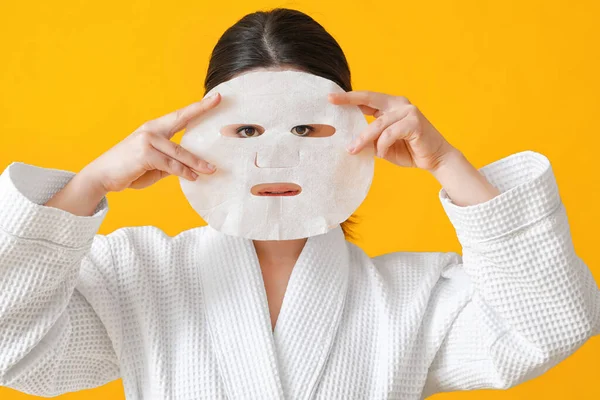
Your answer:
<point x="280" y="37"/>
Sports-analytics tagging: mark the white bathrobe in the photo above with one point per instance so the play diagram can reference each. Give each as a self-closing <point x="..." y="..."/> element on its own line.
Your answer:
<point x="186" y="317"/>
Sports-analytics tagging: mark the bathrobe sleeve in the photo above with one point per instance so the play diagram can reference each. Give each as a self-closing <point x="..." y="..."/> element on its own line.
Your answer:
<point x="532" y="300"/>
<point x="60" y="325"/>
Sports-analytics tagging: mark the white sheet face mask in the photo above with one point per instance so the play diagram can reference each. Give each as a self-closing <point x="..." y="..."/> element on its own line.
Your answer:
<point x="331" y="183"/>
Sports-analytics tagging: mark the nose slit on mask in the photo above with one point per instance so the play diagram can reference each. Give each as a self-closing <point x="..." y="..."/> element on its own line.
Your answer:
<point x="277" y="157"/>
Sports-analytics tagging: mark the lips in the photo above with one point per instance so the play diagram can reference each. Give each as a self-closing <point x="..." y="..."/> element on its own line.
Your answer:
<point x="276" y="189"/>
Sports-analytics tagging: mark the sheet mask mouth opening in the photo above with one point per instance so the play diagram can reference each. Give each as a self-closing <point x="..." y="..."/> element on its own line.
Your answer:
<point x="276" y="189"/>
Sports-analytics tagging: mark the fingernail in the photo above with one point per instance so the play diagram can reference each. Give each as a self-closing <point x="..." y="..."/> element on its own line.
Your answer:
<point x="213" y="96"/>
<point x="194" y="175"/>
<point x="210" y="166"/>
<point x="350" y="148"/>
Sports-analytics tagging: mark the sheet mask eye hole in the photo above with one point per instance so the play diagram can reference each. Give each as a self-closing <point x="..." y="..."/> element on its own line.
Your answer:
<point x="313" y="130"/>
<point x="244" y="131"/>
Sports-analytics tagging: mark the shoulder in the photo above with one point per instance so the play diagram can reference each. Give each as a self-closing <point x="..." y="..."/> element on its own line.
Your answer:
<point x="418" y="275"/>
<point x="416" y="265"/>
<point x="150" y="242"/>
<point x="430" y="286"/>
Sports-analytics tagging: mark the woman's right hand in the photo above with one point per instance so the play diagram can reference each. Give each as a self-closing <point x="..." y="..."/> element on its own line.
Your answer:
<point x="148" y="154"/>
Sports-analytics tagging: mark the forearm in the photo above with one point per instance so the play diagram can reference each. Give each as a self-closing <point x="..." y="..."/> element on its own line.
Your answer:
<point x="80" y="196"/>
<point x="462" y="181"/>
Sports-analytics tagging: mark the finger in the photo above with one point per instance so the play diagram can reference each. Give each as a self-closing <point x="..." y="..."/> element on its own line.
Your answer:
<point x="373" y="131"/>
<point x="375" y="100"/>
<point x="400" y="130"/>
<point x="176" y="151"/>
<point x="163" y="162"/>
<point x="168" y="125"/>
<point x="366" y="110"/>
<point x="148" y="179"/>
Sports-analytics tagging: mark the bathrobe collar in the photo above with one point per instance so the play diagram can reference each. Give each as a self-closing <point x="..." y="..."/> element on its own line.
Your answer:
<point x="255" y="362"/>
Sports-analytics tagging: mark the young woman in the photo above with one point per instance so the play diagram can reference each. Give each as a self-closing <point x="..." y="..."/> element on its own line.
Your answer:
<point x="203" y="314"/>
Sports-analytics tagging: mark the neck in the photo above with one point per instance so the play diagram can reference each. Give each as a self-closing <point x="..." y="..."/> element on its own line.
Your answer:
<point x="279" y="250"/>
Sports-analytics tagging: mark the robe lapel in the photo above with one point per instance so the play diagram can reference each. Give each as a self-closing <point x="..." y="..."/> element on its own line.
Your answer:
<point x="237" y="314"/>
<point x="311" y="311"/>
<point x="254" y="361"/>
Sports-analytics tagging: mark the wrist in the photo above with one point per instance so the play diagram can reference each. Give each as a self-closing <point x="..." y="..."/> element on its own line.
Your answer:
<point x="87" y="183"/>
<point x="463" y="183"/>
<point x="449" y="157"/>
<point x="80" y="196"/>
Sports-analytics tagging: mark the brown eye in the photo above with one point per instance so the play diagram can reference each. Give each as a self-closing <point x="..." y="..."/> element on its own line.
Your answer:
<point x="242" y="131"/>
<point x="247" y="131"/>
<point x="302" y="130"/>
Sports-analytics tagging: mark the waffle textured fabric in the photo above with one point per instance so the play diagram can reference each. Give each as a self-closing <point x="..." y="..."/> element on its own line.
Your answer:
<point x="186" y="317"/>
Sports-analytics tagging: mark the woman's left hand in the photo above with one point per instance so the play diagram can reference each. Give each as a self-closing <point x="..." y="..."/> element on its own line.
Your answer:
<point x="401" y="133"/>
<point x="403" y="136"/>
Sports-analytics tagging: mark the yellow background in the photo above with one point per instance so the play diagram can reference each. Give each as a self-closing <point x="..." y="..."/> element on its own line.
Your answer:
<point x="495" y="77"/>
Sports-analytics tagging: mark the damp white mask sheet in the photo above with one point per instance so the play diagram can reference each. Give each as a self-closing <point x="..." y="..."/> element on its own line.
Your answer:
<point x="333" y="183"/>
